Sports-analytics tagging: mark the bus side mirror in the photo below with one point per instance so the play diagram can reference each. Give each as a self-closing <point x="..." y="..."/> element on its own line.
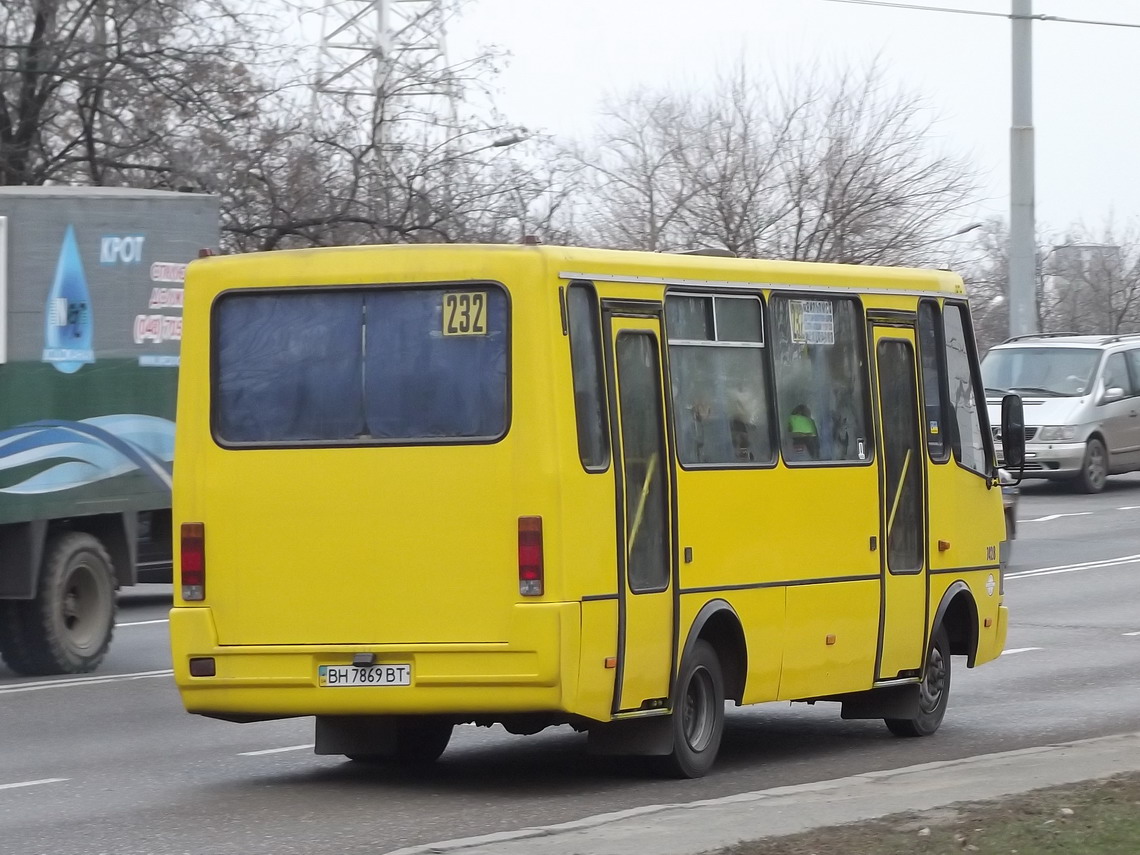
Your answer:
<point x="1013" y="432"/>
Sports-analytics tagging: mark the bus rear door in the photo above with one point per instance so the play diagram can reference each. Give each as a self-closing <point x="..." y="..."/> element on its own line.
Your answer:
<point x="644" y="514"/>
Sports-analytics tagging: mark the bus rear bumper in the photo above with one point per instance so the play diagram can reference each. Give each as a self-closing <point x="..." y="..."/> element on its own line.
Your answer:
<point x="533" y="671"/>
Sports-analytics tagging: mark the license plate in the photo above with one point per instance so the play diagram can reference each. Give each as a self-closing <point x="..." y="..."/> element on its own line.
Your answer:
<point x="369" y="675"/>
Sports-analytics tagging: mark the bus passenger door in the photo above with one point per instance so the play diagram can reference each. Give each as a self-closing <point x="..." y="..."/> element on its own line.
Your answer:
<point x="644" y="514"/>
<point x="902" y="497"/>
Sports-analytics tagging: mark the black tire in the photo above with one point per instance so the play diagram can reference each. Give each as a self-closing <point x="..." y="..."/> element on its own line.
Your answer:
<point x="67" y="628"/>
<point x="1094" y="468"/>
<point x="934" y="692"/>
<point x="12" y="648"/>
<point x="419" y="741"/>
<point x="698" y="715"/>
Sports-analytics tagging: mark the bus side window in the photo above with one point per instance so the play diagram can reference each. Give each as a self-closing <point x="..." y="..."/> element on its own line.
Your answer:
<point x="586" y="366"/>
<point x="968" y="440"/>
<point x="821" y="379"/>
<point x="719" y="380"/>
<point x="931" y="353"/>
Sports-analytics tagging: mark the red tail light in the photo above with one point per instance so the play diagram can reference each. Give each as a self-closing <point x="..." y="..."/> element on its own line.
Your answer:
<point x="193" y="561"/>
<point x="530" y="556"/>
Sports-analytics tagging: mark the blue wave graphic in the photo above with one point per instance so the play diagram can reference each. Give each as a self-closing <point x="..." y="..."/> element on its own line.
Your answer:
<point x="88" y="451"/>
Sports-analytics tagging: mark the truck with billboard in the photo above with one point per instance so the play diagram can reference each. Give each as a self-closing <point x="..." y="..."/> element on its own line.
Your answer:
<point x="90" y="326"/>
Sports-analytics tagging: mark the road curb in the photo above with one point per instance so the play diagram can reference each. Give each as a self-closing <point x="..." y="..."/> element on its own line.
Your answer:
<point x="699" y="826"/>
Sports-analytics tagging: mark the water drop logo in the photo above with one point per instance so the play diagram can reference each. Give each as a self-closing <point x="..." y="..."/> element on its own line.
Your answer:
<point x="68" y="324"/>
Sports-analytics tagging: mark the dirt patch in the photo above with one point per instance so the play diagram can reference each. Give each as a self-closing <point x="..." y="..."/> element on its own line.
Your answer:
<point x="1094" y="818"/>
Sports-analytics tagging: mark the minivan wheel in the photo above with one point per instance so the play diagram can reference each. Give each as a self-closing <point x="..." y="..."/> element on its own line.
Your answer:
<point x="1094" y="468"/>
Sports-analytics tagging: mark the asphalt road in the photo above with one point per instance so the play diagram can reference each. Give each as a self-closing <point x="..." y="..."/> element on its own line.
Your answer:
<point x="111" y="764"/>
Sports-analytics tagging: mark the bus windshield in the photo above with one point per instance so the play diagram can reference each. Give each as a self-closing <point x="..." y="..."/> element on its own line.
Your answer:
<point x="1053" y="372"/>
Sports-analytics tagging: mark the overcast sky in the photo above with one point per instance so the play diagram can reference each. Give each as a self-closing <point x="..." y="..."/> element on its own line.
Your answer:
<point x="568" y="55"/>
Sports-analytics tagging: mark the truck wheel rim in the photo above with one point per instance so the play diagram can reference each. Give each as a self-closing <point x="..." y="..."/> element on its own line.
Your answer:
<point x="82" y="611"/>
<point x="697" y="712"/>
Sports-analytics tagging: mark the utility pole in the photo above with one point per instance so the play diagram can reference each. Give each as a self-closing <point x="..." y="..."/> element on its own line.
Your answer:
<point x="366" y="44"/>
<point x="1022" y="225"/>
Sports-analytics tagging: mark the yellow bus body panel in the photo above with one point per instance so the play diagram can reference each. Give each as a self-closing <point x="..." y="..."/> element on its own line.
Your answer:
<point x="409" y="553"/>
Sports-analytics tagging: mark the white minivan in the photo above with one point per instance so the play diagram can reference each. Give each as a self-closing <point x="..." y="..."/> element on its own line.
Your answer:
<point x="1081" y="395"/>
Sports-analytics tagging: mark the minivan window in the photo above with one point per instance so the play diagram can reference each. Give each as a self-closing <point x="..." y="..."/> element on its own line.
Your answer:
<point x="1134" y="364"/>
<point x="1116" y="374"/>
<point x="1051" y="372"/>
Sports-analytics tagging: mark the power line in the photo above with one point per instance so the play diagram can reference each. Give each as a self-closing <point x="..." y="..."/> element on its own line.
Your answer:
<point x="1056" y="19"/>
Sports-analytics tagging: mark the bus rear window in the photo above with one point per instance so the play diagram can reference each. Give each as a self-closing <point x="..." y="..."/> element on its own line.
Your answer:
<point x="360" y="366"/>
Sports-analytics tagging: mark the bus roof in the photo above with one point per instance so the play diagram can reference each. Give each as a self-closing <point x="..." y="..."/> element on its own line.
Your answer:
<point x="611" y="264"/>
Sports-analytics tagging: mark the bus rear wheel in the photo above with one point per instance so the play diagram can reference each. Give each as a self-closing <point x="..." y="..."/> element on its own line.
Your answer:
<point x="933" y="692"/>
<point x="698" y="715"/>
<point x="418" y="742"/>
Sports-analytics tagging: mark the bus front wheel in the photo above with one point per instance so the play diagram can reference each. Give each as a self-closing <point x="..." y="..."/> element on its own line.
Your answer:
<point x="933" y="692"/>
<point x="698" y="714"/>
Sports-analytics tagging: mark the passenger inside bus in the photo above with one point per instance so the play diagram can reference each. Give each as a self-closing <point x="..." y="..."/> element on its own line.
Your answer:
<point x="805" y="436"/>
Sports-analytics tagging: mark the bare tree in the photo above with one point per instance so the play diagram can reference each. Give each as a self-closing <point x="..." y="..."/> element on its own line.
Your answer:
<point x="862" y="180"/>
<point x="986" y="275"/>
<point x="195" y="94"/>
<point x="829" y="169"/>
<point x="638" y="174"/>
<point x="1093" y="281"/>
<point x="92" y="91"/>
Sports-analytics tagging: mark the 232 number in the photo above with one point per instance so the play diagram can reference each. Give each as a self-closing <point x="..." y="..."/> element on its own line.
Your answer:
<point x="465" y="313"/>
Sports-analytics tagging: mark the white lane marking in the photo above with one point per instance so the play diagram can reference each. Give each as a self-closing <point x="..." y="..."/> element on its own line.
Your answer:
<point x="83" y="681"/>
<point x="1132" y="633"/>
<point x="1071" y="568"/>
<point x="1130" y="508"/>
<point x="33" y="783"/>
<point x="142" y="622"/>
<point x="1058" y="516"/>
<point x="274" y="750"/>
<point x="1013" y="650"/>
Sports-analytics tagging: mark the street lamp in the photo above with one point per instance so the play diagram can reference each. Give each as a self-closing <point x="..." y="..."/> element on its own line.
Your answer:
<point x="521" y="135"/>
<point x="965" y="230"/>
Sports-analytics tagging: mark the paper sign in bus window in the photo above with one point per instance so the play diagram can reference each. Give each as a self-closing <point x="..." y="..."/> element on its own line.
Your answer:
<point x="812" y="321"/>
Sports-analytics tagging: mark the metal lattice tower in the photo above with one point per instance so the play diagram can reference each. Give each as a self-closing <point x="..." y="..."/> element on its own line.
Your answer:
<point x="381" y="55"/>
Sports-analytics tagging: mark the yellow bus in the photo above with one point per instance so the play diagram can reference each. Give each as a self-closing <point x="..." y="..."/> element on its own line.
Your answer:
<point x="419" y="486"/>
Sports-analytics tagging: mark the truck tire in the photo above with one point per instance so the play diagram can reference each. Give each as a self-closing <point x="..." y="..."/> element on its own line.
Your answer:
<point x="12" y="649"/>
<point x="67" y="628"/>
